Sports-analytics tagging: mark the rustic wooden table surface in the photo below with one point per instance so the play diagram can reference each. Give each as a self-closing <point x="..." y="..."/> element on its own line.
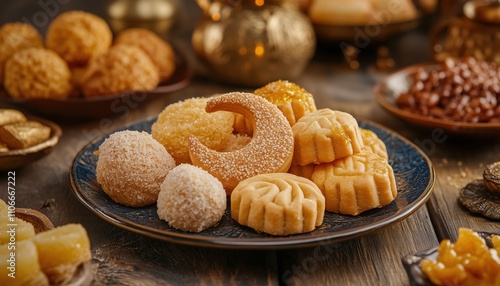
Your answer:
<point x="122" y="257"/>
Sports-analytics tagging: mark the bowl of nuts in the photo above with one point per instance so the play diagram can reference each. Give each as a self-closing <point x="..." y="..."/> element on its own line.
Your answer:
<point x="459" y="95"/>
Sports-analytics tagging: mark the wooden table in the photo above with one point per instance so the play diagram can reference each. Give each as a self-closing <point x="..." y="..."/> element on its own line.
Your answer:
<point x="122" y="257"/>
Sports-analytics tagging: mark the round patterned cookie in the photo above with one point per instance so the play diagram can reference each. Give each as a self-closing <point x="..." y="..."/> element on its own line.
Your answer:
<point x="278" y="204"/>
<point x="356" y="183"/>
<point x="373" y="144"/>
<point x="324" y="136"/>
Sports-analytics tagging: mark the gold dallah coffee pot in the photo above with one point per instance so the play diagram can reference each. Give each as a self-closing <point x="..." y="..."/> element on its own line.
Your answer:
<point x="253" y="42"/>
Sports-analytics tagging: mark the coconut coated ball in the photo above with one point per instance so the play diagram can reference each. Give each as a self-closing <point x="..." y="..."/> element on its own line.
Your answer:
<point x="131" y="166"/>
<point x="191" y="199"/>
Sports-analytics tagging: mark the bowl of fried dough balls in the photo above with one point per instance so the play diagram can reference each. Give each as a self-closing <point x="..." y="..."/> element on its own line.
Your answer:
<point x="80" y="70"/>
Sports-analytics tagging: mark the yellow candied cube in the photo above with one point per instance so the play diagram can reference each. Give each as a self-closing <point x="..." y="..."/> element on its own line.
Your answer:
<point x="19" y="265"/>
<point x="15" y="229"/>
<point x="61" y="250"/>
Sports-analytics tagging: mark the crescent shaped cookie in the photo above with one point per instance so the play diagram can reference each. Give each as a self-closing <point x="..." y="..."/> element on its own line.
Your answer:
<point x="270" y="149"/>
<point x="278" y="204"/>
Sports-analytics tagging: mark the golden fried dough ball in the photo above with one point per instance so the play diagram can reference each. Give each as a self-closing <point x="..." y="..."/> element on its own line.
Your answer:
<point x="179" y="120"/>
<point x="191" y="199"/>
<point x="131" y="167"/>
<point x="121" y="68"/>
<point x="15" y="37"/>
<point x="160" y="52"/>
<point x="37" y="73"/>
<point x="77" y="36"/>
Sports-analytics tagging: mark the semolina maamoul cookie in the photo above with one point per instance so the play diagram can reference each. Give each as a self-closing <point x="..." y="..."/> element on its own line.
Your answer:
<point x="37" y="73"/>
<point x="15" y="37"/>
<point x="324" y="136"/>
<point x="269" y="151"/>
<point x="191" y="199"/>
<point x="278" y="204"/>
<point x="181" y="119"/>
<point x="121" y="68"/>
<point x="305" y="171"/>
<point x="291" y="99"/>
<point x="356" y="183"/>
<point x="160" y="51"/>
<point x="131" y="167"/>
<point x="373" y="144"/>
<point x="78" y="36"/>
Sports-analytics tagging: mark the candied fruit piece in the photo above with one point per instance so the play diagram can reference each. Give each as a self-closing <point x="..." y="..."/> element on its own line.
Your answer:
<point x="467" y="262"/>
<point x="62" y="250"/>
<point x="20" y="266"/>
<point x="18" y="228"/>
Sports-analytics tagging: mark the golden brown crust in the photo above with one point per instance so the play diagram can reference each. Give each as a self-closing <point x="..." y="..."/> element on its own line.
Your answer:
<point x="37" y="73"/>
<point x="278" y="204"/>
<point x="181" y="119"/>
<point x="356" y="183"/>
<point x="15" y="37"/>
<point x="324" y="136"/>
<point x="291" y="99"/>
<point x="77" y="36"/>
<point x="269" y="151"/>
<point x="121" y="68"/>
<point x="373" y="144"/>
<point x="160" y="51"/>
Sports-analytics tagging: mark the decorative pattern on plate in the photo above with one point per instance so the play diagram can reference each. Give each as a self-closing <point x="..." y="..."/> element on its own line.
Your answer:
<point x="413" y="170"/>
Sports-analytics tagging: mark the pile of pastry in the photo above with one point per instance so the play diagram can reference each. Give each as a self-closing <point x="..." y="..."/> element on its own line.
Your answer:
<point x="79" y="57"/>
<point x="282" y="162"/>
<point x="18" y="132"/>
<point x="34" y="257"/>
<point x="364" y="12"/>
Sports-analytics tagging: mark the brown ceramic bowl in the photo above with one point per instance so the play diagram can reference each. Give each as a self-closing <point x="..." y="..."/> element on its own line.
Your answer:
<point x="98" y="107"/>
<point x="388" y="90"/>
<point x="14" y="159"/>
<point x="83" y="275"/>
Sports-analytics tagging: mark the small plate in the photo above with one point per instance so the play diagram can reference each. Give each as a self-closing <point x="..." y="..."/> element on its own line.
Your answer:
<point x="411" y="262"/>
<point x="15" y="159"/>
<point x="97" y="107"/>
<point x="388" y="90"/>
<point x="83" y="274"/>
<point x="413" y="170"/>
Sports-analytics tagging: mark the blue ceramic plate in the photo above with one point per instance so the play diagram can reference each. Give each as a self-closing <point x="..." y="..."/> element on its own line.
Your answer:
<point x="413" y="170"/>
<point x="411" y="262"/>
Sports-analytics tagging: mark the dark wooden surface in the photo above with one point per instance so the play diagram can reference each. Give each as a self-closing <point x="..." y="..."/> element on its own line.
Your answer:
<point x="121" y="257"/>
